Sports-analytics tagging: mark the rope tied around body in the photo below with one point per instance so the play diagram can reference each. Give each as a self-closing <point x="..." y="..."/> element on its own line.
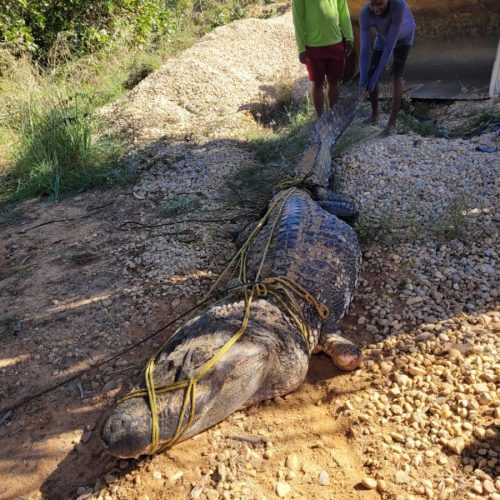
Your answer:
<point x="282" y="289"/>
<point x="293" y="181"/>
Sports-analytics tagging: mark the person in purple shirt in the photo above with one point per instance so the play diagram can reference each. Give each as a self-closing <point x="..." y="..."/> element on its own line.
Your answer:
<point x="395" y="28"/>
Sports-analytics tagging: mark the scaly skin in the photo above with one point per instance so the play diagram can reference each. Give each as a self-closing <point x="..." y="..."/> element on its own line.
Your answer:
<point x="311" y="247"/>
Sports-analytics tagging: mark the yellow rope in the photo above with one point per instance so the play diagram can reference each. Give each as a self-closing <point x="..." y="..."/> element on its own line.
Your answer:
<point x="291" y="181"/>
<point x="282" y="289"/>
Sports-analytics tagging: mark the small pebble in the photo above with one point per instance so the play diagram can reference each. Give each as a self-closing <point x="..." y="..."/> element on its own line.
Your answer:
<point x="324" y="478"/>
<point x="369" y="483"/>
<point x="292" y="462"/>
<point x="283" y="489"/>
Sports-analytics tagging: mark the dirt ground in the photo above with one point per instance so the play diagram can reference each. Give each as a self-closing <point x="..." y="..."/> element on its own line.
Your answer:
<point x="85" y="278"/>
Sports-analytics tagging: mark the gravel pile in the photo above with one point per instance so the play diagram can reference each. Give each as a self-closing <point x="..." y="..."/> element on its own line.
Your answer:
<point x="208" y="89"/>
<point x="423" y="182"/>
<point x="432" y="412"/>
<point x="181" y="259"/>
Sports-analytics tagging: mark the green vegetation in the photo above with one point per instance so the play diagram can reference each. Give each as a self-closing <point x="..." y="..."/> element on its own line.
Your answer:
<point x="181" y="204"/>
<point x="391" y="227"/>
<point x="356" y="132"/>
<point x="277" y="144"/>
<point x="476" y="123"/>
<point x="51" y="139"/>
<point x="58" y="153"/>
<point x="62" y="60"/>
<point x="39" y="26"/>
<point x="452" y="224"/>
<point x="414" y="116"/>
<point x="373" y="227"/>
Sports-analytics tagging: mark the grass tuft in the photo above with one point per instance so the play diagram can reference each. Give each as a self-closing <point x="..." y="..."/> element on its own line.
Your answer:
<point x="452" y="224"/>
<point x="414" y="116"/>
<point x="139" y="69"/>
<point x="181" y="204"/>
<point x="380" y="227"/>
<point x="390" y="227"/>
<point x="276" y="151"/>
<point x="275" y="104"/>
<point x="59" y="152"/>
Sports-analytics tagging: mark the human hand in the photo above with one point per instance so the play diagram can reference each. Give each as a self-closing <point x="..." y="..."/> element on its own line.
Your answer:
<point x="348" y="48"/>
<point x="302" y="57"/>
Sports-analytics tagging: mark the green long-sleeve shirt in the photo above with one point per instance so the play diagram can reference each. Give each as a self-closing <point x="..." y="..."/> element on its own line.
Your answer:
<point x="321" y="22"/>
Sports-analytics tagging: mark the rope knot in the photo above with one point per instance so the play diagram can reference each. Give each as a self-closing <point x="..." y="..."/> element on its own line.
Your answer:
<point x="292" y="181"/>
<point x="260" y="290"/>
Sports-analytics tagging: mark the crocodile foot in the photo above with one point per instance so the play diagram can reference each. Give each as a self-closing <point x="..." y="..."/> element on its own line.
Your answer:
<point x="345" y="354"/>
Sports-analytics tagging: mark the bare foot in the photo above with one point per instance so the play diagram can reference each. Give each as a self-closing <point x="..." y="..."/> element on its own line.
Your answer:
<point x="388" y="131"/>
<point x="372" y="120"/>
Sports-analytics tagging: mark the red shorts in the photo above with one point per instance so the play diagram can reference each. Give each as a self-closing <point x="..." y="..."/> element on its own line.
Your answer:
<point x="326" y="61"/>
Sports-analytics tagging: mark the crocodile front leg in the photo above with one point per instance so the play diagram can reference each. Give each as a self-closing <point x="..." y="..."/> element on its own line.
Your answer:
<point x="346" y="355"/>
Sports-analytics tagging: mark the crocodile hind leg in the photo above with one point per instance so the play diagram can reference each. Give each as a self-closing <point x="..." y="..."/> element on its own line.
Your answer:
<point x="346" y="355"/>
<point x="343" y="209"/>
<point x="320" y="193"/>
<point x="335" y="204"/>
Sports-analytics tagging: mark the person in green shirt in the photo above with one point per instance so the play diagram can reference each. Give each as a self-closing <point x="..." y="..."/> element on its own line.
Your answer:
<point x="323" y="32"/>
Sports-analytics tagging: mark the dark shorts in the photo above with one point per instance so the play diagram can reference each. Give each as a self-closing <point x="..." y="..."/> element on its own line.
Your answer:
<point x="399" y="57"/>
<point x="326" y="61"/>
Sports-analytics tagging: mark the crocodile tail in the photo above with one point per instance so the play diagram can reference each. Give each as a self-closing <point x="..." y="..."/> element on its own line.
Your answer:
<point x="315" y="162"/>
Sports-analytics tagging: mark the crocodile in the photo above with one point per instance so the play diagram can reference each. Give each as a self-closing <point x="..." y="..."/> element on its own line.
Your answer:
<point x="305" y="243"/>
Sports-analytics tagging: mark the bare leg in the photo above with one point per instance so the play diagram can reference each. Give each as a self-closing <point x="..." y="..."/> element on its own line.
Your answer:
<point x="345" y="354"/>
<point x="318" y="97"/>
<point x="374" y="102"/>
<point x="333" y="91"/>
<point x="397" y="94"/>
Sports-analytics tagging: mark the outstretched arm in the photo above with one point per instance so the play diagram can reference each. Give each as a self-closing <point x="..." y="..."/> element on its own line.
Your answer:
<point x="390" y="43"/>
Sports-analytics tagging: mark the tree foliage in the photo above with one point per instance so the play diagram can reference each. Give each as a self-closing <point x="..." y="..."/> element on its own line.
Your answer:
<point x="36" y="25"/>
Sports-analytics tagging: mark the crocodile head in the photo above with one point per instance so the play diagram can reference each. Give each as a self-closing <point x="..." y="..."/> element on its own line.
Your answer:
<point x="233" y="382"/>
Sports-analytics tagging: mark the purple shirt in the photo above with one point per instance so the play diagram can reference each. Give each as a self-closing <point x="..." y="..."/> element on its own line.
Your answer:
<point x="394" y="28"/>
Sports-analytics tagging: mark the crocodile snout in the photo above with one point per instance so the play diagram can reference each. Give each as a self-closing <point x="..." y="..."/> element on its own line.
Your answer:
<point x="126" y="432"/>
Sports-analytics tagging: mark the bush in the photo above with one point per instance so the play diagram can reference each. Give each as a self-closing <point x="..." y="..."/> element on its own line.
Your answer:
<point x="52" y="80"/>
<point x="35" y="26"/>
